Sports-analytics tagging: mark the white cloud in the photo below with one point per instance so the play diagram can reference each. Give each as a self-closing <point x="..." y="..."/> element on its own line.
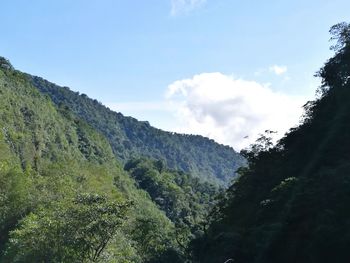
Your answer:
<point x="278" y="70"/>
<point x="227" y="109"/>
<point x="184" y="6"/>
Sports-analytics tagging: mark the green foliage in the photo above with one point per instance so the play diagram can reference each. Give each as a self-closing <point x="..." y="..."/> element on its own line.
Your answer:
<point x="64" y="198"/>
<point x="291" y="203"/>
<point x="184" y="199"/>
<point x="75" y="230"/>
<point x="130" y="138"/>
<point x="5" y="64"/>
<point x="63" y="195"/>
<point x="16" y="198"/>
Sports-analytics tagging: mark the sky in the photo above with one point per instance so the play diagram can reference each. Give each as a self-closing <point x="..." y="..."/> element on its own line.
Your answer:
<point x="224" y="69"/>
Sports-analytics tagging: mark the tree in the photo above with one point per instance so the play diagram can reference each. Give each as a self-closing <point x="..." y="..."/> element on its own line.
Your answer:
<point x="336" y="71"/>
<point x="341" y="33"/>
<point x="72" y="231"/>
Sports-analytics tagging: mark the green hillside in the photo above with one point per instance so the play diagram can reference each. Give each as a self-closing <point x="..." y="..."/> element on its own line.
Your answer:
<point x="65" y="198"/>
<point x="131" y="138"/>
<point x="292" y="203"/>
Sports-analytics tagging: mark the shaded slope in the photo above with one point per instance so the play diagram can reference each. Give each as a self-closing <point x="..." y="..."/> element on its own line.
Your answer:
<point x="291" y="204"/>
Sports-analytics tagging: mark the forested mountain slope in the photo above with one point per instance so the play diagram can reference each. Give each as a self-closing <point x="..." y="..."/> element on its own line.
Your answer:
<point x="292" y="203"/>
<point x="65" y="198"/>
<point x="131" y="138"/>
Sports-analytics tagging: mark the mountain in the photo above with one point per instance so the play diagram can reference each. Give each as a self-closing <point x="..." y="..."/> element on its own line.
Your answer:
<point x="291" y="204"/>
<point x="131" y="138"/>
<point x="64" y="197"/>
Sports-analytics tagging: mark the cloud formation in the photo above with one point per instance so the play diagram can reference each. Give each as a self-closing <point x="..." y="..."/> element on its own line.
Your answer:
<point x="184" y="6"/>
<point x="278" y="70"/>
<point x="229" y="110"/>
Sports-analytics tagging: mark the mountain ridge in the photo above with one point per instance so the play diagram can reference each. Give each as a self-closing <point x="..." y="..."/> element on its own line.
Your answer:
<point x="131" y="138"/>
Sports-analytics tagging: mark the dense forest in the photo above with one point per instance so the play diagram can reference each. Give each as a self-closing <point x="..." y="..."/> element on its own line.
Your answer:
<point x="291" y="204"/>
<point x="131" y="138"/>
<point x="74" y="189"/>
<point x="65" y="198"/>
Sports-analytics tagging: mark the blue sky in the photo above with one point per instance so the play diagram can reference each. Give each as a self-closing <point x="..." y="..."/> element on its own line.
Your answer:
<point x="152" y="59"/>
